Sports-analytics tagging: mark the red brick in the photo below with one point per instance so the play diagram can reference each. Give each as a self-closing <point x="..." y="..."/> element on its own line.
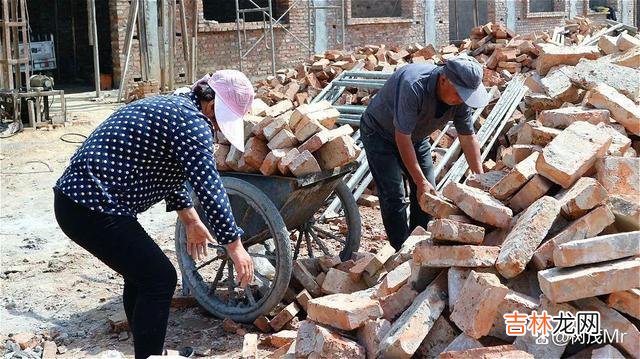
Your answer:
<point x="566" y="284"/>
<point x="438" y="207"/>
<point x="338" y="152"/>
<point x="448" y="230"/>
<point x="572" y="153"/>
<point x="626" y="302"/>
<point x="283" y="139"/>
<point x="479" y="205"/>
<point x="269" y="166"/>
<point x="485" y="181"/>
<point x="304" y="164"/>
<point x="584" y="195"/>
<point x="316" y="141"/>
<point x="478" y="303"/>
<point x="343" y="311"/>
<point x="533" y="190"/>
<point x="553" y="55"/>
<point x="284" y="316"/>
<point x="255" y="151"/>
<point x="597" y="249"/>
<point x="317" y="341"/>
<point x="516" y="178"/>
<point x="564" y="117"/>
<point x="427" y="254"/>
<point x="338" y="281"/>
<point x="622" y="109"/>
<point x="370" y="334"/>
<point x="527" y="234"/>
<point x="283" y="165"/>
<point x="619" y="175"/>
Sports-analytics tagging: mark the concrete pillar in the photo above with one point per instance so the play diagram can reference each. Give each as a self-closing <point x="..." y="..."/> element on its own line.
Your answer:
<point x="573" y="10"/>
<point x="430" y="21"/>
<point x="510" y="18"/>
<point x="321" y="36"/>
<point x="151" y="30"/>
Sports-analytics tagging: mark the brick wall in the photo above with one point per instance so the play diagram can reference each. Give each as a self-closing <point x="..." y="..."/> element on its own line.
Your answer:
<point x="218" y="43"/>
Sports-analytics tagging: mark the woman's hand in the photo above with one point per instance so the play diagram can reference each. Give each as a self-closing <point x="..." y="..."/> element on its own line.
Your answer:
<point x="197" y="238"/>
<point x="241" y="261"/>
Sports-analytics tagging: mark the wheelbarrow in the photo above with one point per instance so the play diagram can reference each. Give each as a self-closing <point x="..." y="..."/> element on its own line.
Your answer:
<point x="280" y="218"/>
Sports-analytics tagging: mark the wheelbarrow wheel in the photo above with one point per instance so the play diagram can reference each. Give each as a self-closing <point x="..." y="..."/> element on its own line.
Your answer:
<point x="211" y="281"/>
<point x="339" y="235"/>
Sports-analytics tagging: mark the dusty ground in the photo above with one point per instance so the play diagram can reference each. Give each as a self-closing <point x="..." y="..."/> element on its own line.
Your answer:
<point x="50" y="286"/>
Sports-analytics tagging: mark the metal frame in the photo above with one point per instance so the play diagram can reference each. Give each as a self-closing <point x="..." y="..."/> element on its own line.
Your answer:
<point x="269" y="23"/>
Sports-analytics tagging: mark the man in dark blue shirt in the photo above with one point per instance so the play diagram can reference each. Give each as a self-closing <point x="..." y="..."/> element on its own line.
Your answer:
<point x="417" y="100"/>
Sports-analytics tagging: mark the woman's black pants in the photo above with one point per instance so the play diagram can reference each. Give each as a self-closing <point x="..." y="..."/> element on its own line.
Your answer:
<point x="123" y="245"/>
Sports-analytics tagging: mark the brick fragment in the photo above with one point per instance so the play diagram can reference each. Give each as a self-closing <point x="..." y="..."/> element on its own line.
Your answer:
<point x="306" y="278"/>
<point x="516" y="178"/>
<point x="533" y="132"/>
<point x="302" y="110"/>
<point x="479" y="205"/>
<point x="461" y="343"/>
<point x="343" y="311"/>
<point x="630" y="58"/>
<point x="381" y="257"/>
<point x="626" y="210"/>
<point x="304" y="164"/>
<point x="279" y="108"/>
<point x="49" y="350"/>
<point x="316" y="341"/>
<point x="485" y="181"/>
<point x="606" y="352"/>
<point x="564" y="117"/>
<point x="553" y="55"/>
<point x="396" y="303"/>
<point x="528" y="342"/>
<point x="337" y="281"/>
<point x="233" y="158"/>
<point x="282" y="338"/>
<point x="620" y="143"/>
<point x="584" y="195"/>
<point x="427" y="254"/>
<point x="220" y="153"/>
<point x="586" y="226"/>
<point x="269" y="166"/>
<point x="408" y="331"/>
<point x="527" y="234"/>
<point x="626" y="42"/>
<point x="619" y="175"/>
<point x="440" y="335"/>
<point x="258" y="107"/>
<point x="438" y="207"/>
<point x="395" y="279"/>
<point x="250" y="122"/>
<point x="612" y="321"/>
<point x="274" y="127"/>
<point x="572" y="153"/>
<point x="326" y="117"/>
<point x="262" y="323"/>
<point x="622" y="109"/>
<point x="557" y="84"/>
<point x="250" y="346"/>
<point x="283" y="164"/>
<point x="533" y="190"/>
<point x="608" y="44"/>
<point x="309" y="129"/>
<point x="597" y="249"/>
<point x="338" y="152"/>
<point x="284" y="316"/>
<point x="360" y="266"/>
<point x="478" y="303"/>
<point x="371" y="333"/>
<point x="283" y="139"/>
<point x="589" y="74"/>
<point x="258" y="129"/>
<point x="495" y="352"/>
<point x="448" y="230"/>
<point x="303" y="299"/>
<point x="627" y="301"/>
<point x="513" y="301"/>
<point x="327" y="262"/>
<point x="566" y="284"/>
<point x="318" y="140"/>
<point x="255" y="151"/>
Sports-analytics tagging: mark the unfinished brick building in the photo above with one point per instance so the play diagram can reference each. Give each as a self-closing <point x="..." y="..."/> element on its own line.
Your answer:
<point x="303" y="30"/>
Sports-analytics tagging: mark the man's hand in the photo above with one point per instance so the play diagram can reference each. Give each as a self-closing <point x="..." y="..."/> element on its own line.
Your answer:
<point x="425" y="187"/>
<point x="242" y="262"/>
<point x="197" y="238"/>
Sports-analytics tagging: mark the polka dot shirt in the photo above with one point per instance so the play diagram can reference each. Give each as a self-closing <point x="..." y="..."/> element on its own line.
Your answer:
<point x="144" y="153"/>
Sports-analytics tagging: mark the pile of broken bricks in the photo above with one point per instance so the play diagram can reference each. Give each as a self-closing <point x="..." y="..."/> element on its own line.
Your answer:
<point x="552" y="225"/>
<point x="283" y="140"/>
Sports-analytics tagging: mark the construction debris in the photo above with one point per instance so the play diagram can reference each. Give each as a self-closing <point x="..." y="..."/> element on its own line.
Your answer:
<point x="554" y="225"/>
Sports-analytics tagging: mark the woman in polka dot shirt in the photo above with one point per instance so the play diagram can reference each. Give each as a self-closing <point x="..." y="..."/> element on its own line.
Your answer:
<point x="144" y="153"/>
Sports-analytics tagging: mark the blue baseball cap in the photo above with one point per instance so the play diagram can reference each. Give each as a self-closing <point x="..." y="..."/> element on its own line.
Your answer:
<point x="465" y="73"/>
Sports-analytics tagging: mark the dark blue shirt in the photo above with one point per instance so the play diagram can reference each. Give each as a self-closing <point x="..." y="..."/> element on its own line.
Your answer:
<point x="143" y="153"/>
<point x="409" y="103"/>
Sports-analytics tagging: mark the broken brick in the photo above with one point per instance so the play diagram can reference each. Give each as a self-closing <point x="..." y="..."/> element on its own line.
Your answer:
<point x="317" y="341"/>
<point x="437" y="207"/>
<point x="516" y="178"/>
<point x="584" y="195"/>
<point x="479" y="205"/>
<point x="627" y="301"/>
<point x="448" y="230"/>
<point x="337" y="281"/>
<point x="564" y="117"/>
<point x="622" y="109"/>
<point x="572" y="153"/>
<point x="566" y="284"/>
<point x="527" y="234"/>
<point x="343" y="311"/>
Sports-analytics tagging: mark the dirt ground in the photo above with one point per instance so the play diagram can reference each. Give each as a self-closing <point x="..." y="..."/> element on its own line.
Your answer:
<point x="51" y="287"/>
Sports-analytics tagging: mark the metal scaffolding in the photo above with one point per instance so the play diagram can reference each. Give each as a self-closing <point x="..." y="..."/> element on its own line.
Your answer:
<point x="269" y="23"/>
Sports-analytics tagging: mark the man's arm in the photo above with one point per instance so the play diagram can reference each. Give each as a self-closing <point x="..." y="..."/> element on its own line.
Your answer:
<point x="410" y="160"/>
<point x="471" y="149"/>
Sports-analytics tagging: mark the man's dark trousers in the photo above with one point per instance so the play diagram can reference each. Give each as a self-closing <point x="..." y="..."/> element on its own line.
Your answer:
<point x="387" y="169"/>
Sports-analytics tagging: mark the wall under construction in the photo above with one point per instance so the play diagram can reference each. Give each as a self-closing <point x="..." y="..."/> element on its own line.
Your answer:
<point x="423" y="21"/>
